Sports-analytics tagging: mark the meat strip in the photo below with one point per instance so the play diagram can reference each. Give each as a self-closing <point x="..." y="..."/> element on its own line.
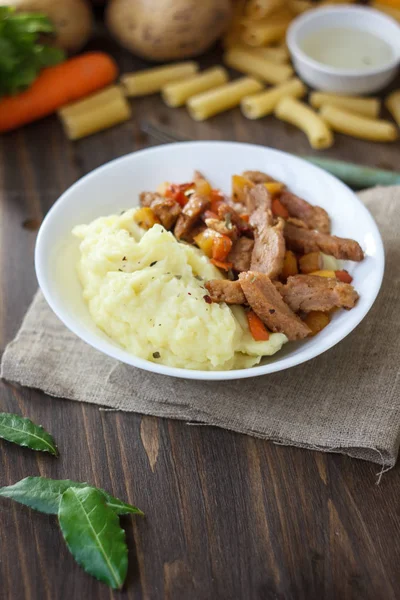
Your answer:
<point x="310" y="292"/>
<point x="268" y="304"/>
<point x="314" y="217"/>
<point x="307" y="240"/>
<point x="189" y="215"/>
<point x="269" y="244"/>
<point x="146" y="198"/>
<point x="256" y="197"/>
<point x="223" y="290"/>
<point x="167" y="210"/>
<point x="240" y="254"/>
<point x="257" y="177"/>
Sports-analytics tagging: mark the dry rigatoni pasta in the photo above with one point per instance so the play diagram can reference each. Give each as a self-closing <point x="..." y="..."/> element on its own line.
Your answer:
<point x="205" y="105"/>
<point x="265" y="33"/>
<point x="392" y="103"/>
<point x="178" y="92"/>
<point x="257" y="9"/>
<point x="374" y="130"/>
<point x="302" y="116"/>
<point x="368" y="107"/>
<point x="152" y="80"/>
<point x="275" y="54"/>
<point x="100" y="111"/>
<point x="264" y="103"/>
<point x="248" y="63"/>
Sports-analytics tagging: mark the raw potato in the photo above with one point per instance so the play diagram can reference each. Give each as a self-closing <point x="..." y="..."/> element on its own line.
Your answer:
<point x="72" y="19"/>
<point x="167" y="29"/>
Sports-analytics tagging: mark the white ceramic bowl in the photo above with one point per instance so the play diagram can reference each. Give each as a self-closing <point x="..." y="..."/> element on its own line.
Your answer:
<point x="116" y="185"/>
<point x="344" y="81"/>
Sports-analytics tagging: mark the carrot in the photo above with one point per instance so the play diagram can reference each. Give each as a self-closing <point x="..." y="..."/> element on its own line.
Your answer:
<point x="221" y="247"/>
<point x="257" y="327"/>
<point x="222" y="265"/>
<point x="216" y="198"/>
<point x="343" y="276"/>
<point x="278" y="209"/>
<point x="176" y="191"/>
<point x="57" y="86"/>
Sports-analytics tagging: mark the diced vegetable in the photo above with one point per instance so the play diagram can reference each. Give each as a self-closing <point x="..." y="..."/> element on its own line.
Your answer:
<point x="239" y="183"/>
<point x="324" y="273"/>
<point x="221" y="247"/>
<point x="202" y="186"/>
<point x="289" y="265"/>
<point x="221" y="265"/>
<point x="216" y="197"/>
<point x="257" y="327"/>
<point x="145" y="217"/>
<point x="343" y="276"/>
<point x="278" y="209"/>
<point x="177" y="192"/>
<point x="274" y="187"/>
<point x="317" y="320"/>
<point x="311" y="262"/>
<point x="205" y="240"/>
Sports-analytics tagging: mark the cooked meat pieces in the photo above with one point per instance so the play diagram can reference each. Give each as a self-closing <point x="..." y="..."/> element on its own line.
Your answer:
<point x="310" y="292"/>
<point x="223" y="290"/>
<point x="268" y="304"/>
<point x="307" y="240"/>
<point x="256" y="197"/>
<point x="228" y="214"/>
<point x="257" y="176"/>
<point x="296" y="222"/>
<point x="314" y="217"/>
<point x="167" y="210"/>
<point x="240" y="254"/>
<point x="269" y="244"/>
<point x="146" y="198"/>
<point x="189" y="215"/>
<point x="222" y="227"/>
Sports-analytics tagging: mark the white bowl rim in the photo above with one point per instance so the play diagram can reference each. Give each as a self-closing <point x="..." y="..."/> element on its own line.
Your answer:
<point x="310" y="15"/>
<point x="257" y="370"/>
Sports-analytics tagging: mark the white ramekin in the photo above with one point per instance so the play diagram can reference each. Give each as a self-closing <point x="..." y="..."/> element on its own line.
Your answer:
<point x="344" y="81"/>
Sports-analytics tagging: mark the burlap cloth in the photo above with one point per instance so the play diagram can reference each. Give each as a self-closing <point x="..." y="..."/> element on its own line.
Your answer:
<point x="347" y="400"/>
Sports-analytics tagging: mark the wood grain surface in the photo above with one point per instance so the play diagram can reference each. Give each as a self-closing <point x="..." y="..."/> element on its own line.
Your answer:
<point x="228" y="517"/>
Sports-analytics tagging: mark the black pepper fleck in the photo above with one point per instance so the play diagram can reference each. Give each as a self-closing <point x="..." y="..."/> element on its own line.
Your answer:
<point x="153" y="263"/>
<point x="156" y="355"/>
<point x="124" y="258"/>
<point x="271" y="311"/>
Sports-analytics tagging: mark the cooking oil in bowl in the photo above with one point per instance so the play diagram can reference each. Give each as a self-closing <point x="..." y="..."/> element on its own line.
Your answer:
<point x="347" y="48"/>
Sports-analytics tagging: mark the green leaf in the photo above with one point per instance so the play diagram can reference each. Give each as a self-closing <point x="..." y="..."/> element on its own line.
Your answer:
<point x="24" y="432"/>
<point x="93" y="535"/>
<point x="44" y="495"/>
<point x="22" y="51"/>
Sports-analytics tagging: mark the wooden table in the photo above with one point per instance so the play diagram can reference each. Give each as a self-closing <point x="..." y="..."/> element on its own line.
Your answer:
<point x="228" y="516"/>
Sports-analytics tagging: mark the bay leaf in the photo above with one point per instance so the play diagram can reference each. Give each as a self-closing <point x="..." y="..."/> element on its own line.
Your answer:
<point x="44" y="495"/>
<point x="24" y="432"/>
<point x="93" y="535"/>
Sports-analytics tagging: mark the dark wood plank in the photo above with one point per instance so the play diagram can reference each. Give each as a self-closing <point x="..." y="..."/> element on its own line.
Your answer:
<point x="227" y="516"/>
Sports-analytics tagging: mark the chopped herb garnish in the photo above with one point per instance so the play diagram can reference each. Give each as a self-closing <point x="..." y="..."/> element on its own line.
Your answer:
<point x="120" y="270"/>
<point x="124" y="258"/>
<point x="156" y="355"/>
<point x="253" y="279"/>
<point x="178" y="276"/>
<point x="198" y="277"/>
<point x="153" y="263"/>
<point x="228" y="221"/>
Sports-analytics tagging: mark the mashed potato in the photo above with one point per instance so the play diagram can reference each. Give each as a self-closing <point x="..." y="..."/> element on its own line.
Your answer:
<point x="146" y="291"/>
